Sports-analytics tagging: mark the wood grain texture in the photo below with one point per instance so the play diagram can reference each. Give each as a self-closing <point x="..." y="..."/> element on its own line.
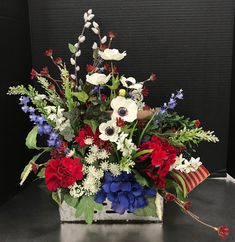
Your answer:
<point x="187" y="42"/>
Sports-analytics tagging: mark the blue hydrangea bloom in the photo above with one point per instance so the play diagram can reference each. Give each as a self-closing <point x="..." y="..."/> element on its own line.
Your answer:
<point x="124" y="192"/>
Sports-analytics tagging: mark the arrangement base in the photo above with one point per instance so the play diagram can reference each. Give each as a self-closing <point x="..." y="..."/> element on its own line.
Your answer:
<point x="107" y="215"/>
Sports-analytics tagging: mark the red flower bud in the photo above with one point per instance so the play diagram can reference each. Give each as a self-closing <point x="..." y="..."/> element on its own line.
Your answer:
<point x="169" y="197"/>
<point x="145" y="91"/>
<point x="33" y="74"/>
<point x="120" y="122"/>
<point x="103" y="47"/>
<point x="44" y="71"/>
<point x="112" y="34"/>
<point x="103" y="97"/>
<point x="34" y="167"/>
<point x="153" y="77"/>
<point x="187" y="205"/>
<point x="197" y="123"/>
<point x="223" y="232"/>
<point x="90" y="68"/>
<point x="48" y="52"/>
<point x="51" y="86"/>
<point x="58" y="61"/>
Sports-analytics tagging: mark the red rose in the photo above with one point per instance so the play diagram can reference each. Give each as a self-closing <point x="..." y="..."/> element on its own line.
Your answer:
<point x="223" y="232"/>
<point x="63" y="173"/>
<point x="33" y="74"/>
<point x="58" y="61"/>
<point x="48" y="52"/>
<point x="197" y="123"/>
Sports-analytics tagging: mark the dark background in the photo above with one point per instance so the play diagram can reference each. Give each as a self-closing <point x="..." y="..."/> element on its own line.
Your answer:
<point x="188" y="43"/>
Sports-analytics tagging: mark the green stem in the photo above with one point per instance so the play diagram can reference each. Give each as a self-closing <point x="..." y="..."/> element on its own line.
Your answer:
<point x="145" y="128"/>
<point x="113" y="145"/>
<point x="133" y="129"/>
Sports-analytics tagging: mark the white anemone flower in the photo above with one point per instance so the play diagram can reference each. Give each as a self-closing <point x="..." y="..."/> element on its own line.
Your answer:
<point x="130" y="82"/>
<point x="112" y="54"/>
<point x="97" y="79"/>
<point x="109" y="131"/>
<point x="124" y="108"/>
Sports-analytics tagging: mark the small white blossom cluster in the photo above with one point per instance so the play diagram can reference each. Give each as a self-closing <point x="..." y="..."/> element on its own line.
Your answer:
<point x="55" y="114"/>
<point x="185" y="165"/>
<point x="125" y="145"/>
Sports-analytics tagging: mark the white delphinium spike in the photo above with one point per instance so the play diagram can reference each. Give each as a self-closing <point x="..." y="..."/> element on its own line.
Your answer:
<point x="95" y="25"/>
<point x="73" y="76"/>
<point x="78" y="53"/>
<point x="94" y="46"/>
<point x="85" y="16"/>
<point x="81" y="38"/>
<point x="89" y="11"/>
<point x="72" y="61"/>
<point x="104" y="39"/>
<point x="76" y="45"/>
<point x="90" y="17"/>
<point x="77" y="68"/>
<point x="96" y="31"/>
<point x="87" y="25"/>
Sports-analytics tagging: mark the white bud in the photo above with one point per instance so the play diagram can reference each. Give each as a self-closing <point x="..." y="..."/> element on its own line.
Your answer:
<point x="78" y="53"/>
<point x="76" y="45"/>
<point x="73" y="76"/>
<point x="87" y="24"/>
<point x="85" y="17"/>
<point x="104" y="39"/>
<point x="89" y="11"/>
<point x="94" y="46"/>
<point x="72" y="61"/>
<point x="81" y="38"/>
<point x="77" y="68"/>
<point x="96" y="31"/>
<point x="95" y="25"/>
<point x="90" y="17"/>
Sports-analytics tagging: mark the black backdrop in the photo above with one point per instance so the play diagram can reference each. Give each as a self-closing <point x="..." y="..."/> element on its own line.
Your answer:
<point x="187" y="42"/>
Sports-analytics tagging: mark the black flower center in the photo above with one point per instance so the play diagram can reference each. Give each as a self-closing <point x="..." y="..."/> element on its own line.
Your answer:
<point x="109" y="130"/>
<point x="122" y="111"/>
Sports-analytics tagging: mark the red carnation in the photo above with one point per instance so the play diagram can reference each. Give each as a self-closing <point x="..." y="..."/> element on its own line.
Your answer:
<point x="33" y="74"/>
<point x="44" y="71"/>
<point x="48" y="52"/>
<point x="223" y="232"/>
<point x="153" y="77"/>
<point x="90" y="68"/>
<point x="58" y="61"/>
<point x="112" y="34"/>
<point x="63" y="173"/>
<point x="197" y="123"/>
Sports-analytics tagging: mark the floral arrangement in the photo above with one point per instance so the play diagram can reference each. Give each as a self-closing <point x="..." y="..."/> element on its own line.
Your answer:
<point x="105" y="143"/>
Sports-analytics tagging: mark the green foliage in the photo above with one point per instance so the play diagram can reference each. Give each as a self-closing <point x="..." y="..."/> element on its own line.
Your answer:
<point x="87" y="206"/>
<point x="115" y="83"/>
<point x="92" y="123"/>
<point x="67" y="133"/>
<point x="140" y="179"/>
<point x="72" y="48"/>
<point x="71" y="201"/>
<point x="81" y="96"/>
<point x="142" y="152"/>
<point x="31" y="139"/>
<point x="41" y="173"/>
<point x="149" y="210"/>
<point x="181" y="183"/>
<point x="56" y="197"/>
<point x="179" y="192"/>
<point x="192" y="136"/>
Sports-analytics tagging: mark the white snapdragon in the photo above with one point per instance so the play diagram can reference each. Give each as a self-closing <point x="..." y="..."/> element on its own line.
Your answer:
<point x="104" y="39"/>
<point x="81" y="38"/>
<point x="96" y="31"/>
<point x="72" y="61"/>
<point x="94" y="46"/>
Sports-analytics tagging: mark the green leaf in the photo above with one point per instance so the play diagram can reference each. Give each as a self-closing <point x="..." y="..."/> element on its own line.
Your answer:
<point x="142" y="152"/>
<point x="81" y="96"/>
<point x="55" y="196"/>
<point x="92" y="123"/>
<point x="86" y="206"/>
<point x="72" y="48"/>
<point x="28" y="168"/>
<point x="149" y="210"/>
<point x="140" y="179"/>
<point x="31" y="139"/>
<point x="181" y="182"/>
<point x="71" y="201"/>
<point x="41" y="173"/>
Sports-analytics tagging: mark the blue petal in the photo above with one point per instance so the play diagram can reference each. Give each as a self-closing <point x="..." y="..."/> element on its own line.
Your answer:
<point x="118" y="208"/>
<point x="100" y="197"/>
<point x="115" y="186"/>
<point x="106" y="187"/>
<point x="141" y="202"/>
<point x="149" y="192"/>
<point x="125" y="186"/>
<point x="137" y="189"/>
<point x="108" y="177"/>
<point x="112" y="197"/>
<point x="123" y="200"/>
